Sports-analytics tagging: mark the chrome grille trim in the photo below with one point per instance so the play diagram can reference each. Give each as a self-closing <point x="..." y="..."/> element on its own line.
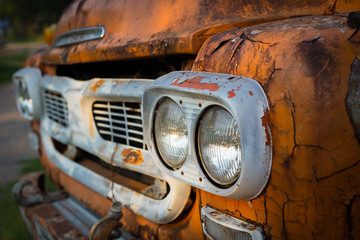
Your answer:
<point x="56" y="108"/>
<point x="119" y="122"/>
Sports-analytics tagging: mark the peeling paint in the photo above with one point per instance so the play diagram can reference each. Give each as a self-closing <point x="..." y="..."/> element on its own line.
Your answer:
<point x="132" y="156"/>
<point x="265" y="123"/>
<point x="196" y="83"/>
<point x="315" y="163"/>
<point x="231" y="93"/>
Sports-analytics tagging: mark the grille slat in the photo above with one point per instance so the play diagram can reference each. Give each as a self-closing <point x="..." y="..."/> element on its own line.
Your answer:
<point x="55" y="107"/>
<point x="54" y="103"/>
<point x="119" y="122"/>
<point x="106" y="113"/>
<point x="119" y="128"/>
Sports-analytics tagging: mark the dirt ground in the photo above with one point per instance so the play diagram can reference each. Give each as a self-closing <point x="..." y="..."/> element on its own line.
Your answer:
<point x="14" y="141"/>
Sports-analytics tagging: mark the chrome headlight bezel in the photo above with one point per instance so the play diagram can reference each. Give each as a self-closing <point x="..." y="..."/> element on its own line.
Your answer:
<point x="27" y="94"/>
<point x="244" y="99"/>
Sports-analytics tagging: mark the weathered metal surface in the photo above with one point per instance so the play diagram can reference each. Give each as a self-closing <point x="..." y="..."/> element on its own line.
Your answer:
<point x="53" y="222"/>
<point x="353" y="97"/>
<point x="107" y="226"/>
<point x="79" y="35"/>
<point x="147" y="28"/>
<point x="195" y="92"/>
<point x="132" y="156"/>
<point x="304" y="66"/>
<point x="218" y="225"/>
<point x="29" y="192"/>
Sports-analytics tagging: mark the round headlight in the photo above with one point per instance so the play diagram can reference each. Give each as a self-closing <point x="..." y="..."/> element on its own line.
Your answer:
<point x="219" y="145"/>
<point x="24" y="100"/>
<point x="171" y="134"/>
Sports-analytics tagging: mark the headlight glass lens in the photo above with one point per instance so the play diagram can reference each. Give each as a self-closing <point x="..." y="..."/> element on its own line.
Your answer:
<point x="25" y="102"/>
<point x="171" y="133"/>
<point x="219" y="145"/>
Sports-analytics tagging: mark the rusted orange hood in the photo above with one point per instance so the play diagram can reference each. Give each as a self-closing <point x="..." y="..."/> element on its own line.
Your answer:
<point x="144" y="28"/>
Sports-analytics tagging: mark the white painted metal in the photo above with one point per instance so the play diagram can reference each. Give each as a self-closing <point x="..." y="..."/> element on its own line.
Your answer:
<point x="31" y="78"/>
<point x="81" y="132"/>
<point x="244" y="99"/>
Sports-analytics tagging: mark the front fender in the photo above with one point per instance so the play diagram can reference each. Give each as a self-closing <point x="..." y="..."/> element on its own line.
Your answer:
<point x="303" y="64"/>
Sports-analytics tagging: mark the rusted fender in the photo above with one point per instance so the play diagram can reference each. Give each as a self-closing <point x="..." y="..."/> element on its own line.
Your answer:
<point x="145" y="28"/>
<point x="304" y="66"/>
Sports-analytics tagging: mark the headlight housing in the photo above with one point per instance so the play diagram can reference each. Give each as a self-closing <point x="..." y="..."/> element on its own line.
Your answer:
<point x="219" y="145"/>
<point x="171" y="133"/>
<point x="27" y="92"/>
<point x="229" y="135"/>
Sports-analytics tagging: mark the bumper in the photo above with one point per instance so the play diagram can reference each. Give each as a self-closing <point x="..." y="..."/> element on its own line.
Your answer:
<point x="58" y="215"/>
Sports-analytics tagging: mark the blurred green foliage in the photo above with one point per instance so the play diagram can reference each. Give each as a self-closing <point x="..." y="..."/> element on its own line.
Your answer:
<point x="29" y="18"/>
<point x="11" y="63"/>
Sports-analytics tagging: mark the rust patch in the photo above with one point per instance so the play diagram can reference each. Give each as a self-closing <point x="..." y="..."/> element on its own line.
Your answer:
<point x="265" y="123"/>
<point x="132" y="156"/>
<point x="231" y="93"/>
<point x="96" y="85"/>
<point x="251" y="93"/>
<point x="196" y="83"/>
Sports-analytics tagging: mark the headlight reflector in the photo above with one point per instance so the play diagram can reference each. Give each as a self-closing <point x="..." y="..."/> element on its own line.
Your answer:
<point x="219" y="145"/>
<point x="171" y="133"/>
<point x="24" y="100"/>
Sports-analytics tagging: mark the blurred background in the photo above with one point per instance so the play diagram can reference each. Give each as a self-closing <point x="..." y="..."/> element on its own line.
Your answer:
<point x="22" y="23"/>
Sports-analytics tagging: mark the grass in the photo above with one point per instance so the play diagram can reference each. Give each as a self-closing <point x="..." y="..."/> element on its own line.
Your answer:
<point x="10" y="63"/>
<point x="38" y="38"/>
<point x="11" y="223"/>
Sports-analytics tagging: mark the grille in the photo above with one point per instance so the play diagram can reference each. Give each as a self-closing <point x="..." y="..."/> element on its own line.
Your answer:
<point x="119" y="122"/>
<point x="56" y="107"/>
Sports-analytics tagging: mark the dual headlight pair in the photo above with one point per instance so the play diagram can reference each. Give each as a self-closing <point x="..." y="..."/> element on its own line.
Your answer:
<point x="218" y="140"/>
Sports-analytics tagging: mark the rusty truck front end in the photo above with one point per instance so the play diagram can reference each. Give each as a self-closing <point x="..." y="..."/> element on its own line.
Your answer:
<point x="196" y="120"/>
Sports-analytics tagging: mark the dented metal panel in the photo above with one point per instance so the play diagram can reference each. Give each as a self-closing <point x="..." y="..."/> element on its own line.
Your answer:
<point x="148" y="28"/>
<point x="304" y="66"/>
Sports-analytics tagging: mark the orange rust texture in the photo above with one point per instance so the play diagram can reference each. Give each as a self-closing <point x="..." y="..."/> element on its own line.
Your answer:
<point x="145" y="28"/>
<point x="132" y="156"/>
<point x="96" y="85"/>
<point x="304" y="67"/>
<point x="36" y="60"/>
<point x="48" y="216"/>
<point x="196" y="83"/>
<point x="188" y="224"/>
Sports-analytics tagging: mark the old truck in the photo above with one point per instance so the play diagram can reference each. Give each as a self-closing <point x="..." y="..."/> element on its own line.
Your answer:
<point x="195" y="119"/>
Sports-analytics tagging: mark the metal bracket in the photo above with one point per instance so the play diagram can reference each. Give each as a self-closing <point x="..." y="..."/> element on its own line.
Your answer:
<point x="108" y="227"/>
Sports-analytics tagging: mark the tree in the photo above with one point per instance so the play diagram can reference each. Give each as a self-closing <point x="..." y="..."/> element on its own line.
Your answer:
<point x="28" y="18"/>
